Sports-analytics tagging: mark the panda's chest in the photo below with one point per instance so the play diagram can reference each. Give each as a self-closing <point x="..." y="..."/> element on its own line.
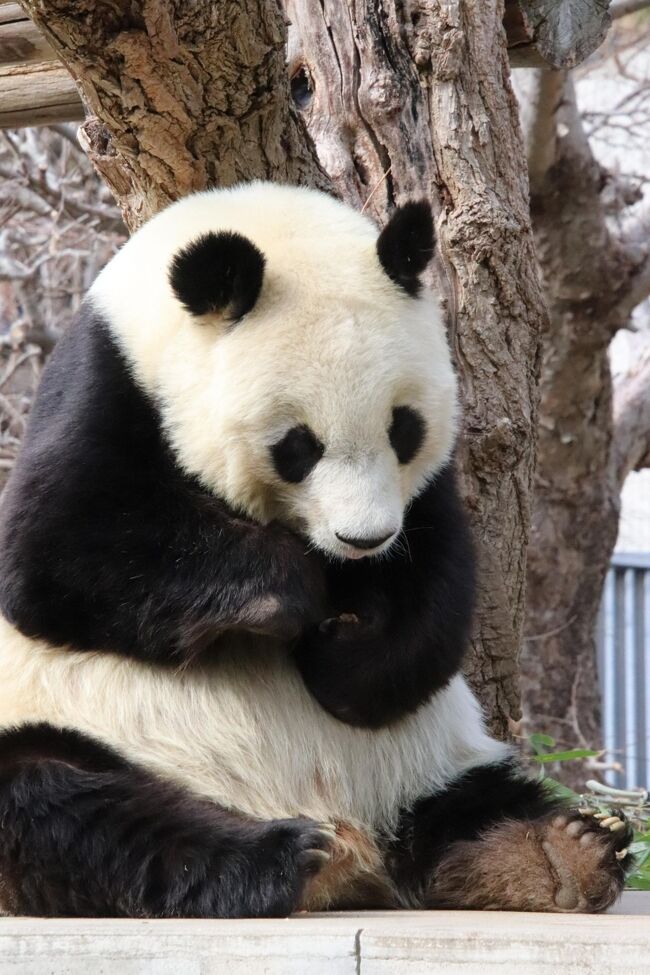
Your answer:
<point x="244" y="731"/>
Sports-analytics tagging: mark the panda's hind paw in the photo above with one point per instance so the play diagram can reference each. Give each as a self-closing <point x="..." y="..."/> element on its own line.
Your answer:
<point x="570" y="861"/>
<point x="589" y="855"/>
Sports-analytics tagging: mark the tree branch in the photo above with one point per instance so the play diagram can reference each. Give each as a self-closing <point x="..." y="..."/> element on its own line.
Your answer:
<point x="554" y="33"/>
<point x="625" y="7"/>
<point x="540" y="94"/>
<point x="37" y="196"/>
<point x="631" y="443"/>
<point x="635" y="290"/>
<point x="556" y="136"/>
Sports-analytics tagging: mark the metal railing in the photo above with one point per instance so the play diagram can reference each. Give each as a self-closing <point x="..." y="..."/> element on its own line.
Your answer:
<point x="623" y="641"/>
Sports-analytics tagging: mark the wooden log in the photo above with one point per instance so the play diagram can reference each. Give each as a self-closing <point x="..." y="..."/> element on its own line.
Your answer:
<point x="21" y="42"/>
<point x="554" y="33"/>
<point x="38" y="94"/>
<point x="10" y="12"/>
<point x="37" y="91"/>
<point x="35" y="88"/>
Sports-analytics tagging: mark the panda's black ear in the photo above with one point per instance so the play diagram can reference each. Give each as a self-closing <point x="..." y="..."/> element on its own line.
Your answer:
<point x="406" y="244"/>
<point x="218" y="272"/>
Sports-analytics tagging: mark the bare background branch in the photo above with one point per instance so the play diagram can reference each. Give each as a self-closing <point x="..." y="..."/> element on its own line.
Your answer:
<point x="58" y="226"/>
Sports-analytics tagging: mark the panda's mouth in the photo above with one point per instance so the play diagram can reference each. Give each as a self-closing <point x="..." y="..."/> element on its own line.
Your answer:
<point x="344" y="545"/>
<point x="341" y="552"/>
<point x="363" y="545"/>
<point x="356" y="549"/>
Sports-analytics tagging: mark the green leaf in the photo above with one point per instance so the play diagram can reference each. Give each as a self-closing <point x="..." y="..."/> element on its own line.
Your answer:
<point x="560" y="790"/>
<point x="638" y="881"/>
<point x="641" y="854"/>
<point x="541" y="742"/>
<point x="641" y="850"/>
<point x="569" y="756"/>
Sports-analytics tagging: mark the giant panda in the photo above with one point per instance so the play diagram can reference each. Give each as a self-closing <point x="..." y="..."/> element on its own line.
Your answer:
<point x="236" y="585"/>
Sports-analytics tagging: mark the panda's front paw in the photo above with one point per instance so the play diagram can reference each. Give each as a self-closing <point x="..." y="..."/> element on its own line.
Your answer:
<point x="276" y="616"/>
<point x="338" y="661"/>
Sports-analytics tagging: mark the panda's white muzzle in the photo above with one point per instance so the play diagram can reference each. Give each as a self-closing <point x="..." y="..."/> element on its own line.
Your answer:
<point x="355" y="507"/>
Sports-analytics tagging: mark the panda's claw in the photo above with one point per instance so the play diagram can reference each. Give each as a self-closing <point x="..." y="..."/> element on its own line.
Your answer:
<point x="329" y="829"/>
<point x="613" y="823"/>
<point x="313" y="859"/>
<point x="609" y="820"/>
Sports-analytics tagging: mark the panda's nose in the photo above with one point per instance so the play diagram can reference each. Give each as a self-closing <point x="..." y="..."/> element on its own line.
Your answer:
<point x="364" y="542"/>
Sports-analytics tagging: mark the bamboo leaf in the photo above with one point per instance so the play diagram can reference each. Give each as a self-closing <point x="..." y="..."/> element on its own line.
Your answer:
<point x="569" y="756"/>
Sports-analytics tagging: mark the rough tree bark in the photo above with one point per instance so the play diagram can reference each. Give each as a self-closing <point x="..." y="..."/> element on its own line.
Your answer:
<point x="408" y="100"/>
<point x="183" y="94"/>
<point x="401" y="99"/>
<point x="555" y="33"/>
<point x="592" y="281"/>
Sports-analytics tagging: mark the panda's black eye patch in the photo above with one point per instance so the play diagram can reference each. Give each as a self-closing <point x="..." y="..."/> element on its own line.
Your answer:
<point x="296" y="454"/>
<point x="406" y="433"/>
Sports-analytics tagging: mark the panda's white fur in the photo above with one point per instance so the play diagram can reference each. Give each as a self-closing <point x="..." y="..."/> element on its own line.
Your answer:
<point x="331" y="342"/>
<point x="246" y="732"/>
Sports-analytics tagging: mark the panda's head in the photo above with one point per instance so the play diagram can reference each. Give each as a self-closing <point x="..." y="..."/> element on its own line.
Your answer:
<point x="301" y="370"/>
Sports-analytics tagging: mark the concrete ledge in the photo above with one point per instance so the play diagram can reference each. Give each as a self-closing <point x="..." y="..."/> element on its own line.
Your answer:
<point x="395" y="943"/>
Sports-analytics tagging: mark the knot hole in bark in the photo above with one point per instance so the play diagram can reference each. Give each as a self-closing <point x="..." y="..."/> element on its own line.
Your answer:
<point x="95" y="138"/>
<point x="302" y="87"/>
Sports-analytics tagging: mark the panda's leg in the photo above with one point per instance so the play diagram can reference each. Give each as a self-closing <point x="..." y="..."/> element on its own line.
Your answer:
<point x="86" y="832"/>
<point x="494" y="840"/>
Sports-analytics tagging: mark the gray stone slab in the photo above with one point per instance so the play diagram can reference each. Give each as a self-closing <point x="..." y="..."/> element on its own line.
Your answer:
<point x="366" y="943"/>
<point x="117" y="947"/>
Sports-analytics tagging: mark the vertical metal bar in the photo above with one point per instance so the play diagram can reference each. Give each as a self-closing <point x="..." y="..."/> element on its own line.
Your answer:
<point x="646" y="666"/>
<point x="619" y="663"/>
<point x="642" y="722"/>
<point x="631" y="670"/>
<point x="608" y="672"/>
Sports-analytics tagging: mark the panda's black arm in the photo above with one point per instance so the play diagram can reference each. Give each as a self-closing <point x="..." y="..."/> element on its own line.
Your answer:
<point x="405" y="617"/>
<point x="106" y="544"/>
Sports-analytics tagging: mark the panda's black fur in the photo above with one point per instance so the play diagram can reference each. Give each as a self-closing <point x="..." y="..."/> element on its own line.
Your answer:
<point x="107" y="545"/>
<point x="141" y="560"/>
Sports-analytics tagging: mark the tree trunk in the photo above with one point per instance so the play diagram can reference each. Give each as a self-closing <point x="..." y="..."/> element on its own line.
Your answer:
<point x="402" y="100"/>
<point x="592" y="282"/>
<point x="185" y="94"/>
<point x="414" y="100"/>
